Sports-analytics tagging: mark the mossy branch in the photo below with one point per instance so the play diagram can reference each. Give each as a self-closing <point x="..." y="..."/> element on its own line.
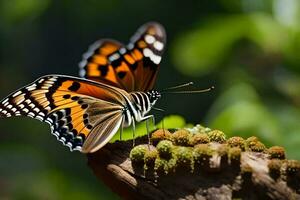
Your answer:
<point x="194" y="164"/>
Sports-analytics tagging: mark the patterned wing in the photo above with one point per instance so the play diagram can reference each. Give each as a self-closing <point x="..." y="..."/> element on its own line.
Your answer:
<point x="98" y="64"/>
<point x="132" y="68"/>
<point x="146" y="48"/>
<point x="73" y="107"/>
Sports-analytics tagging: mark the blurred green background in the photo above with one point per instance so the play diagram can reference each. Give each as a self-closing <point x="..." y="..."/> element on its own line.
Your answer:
<point x="248" y="49"/>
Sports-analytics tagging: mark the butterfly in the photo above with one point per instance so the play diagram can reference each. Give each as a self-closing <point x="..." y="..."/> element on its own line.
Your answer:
<point x="115" y="90"/>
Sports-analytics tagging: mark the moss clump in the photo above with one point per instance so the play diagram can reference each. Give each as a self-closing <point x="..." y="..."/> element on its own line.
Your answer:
<point x="292" y="167"/>
<point x="274" y="167"/>
<point x="234" y="154"/>
<point x="160" y="134"/>
<point x="181" y="137"/>
<point x="199" y="138"/>
<point x="137" y="154"/>
<point x="216" y="136"/>
<point x="165" y="148"/>
<point x="163" y="166"/>
<point x="184" y="156"/>
<point x="253" y="144"/>
<point x="201" y="153"/>
<point x="222" y="150"/>
<point x="246" y="171"/>
<point x="276" y="152"/>
<point x="236" y="142"/>
<point x="199" y="129"/>
<point x="149" y="158"/>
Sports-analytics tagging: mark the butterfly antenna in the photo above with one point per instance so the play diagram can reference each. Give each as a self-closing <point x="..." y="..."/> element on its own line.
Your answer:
<point x="158" y="109"/>
<point x="178" y="86"/>
<point x="190" y="91"/>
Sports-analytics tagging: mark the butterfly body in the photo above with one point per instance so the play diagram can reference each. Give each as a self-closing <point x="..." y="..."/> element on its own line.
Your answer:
<point x="115" y="91"/>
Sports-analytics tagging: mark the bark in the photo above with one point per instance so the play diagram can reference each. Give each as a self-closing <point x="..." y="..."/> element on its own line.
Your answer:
<point x="218" y="178"/>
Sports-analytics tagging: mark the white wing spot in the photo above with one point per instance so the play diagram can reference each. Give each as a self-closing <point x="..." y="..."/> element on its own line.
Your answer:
<point x="25" y="110"/>
<point x="5" y="101"/>
<point x="82" y="73"/>
<point x="158" y="45"/>
<point x="17" y="93"/>
<point x="114" y="57"/>
<point x="122" y="50"/>
<point x="32" y="87"/>
<point x="149" y="39"/>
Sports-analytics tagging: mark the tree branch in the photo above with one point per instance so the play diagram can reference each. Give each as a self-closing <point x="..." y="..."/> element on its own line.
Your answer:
<point x="215" y="169"/>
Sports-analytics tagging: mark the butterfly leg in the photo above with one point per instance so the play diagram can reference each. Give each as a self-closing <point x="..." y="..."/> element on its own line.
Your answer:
<point x="147" y="127"/>
<point x="121" y="129"/>
<point x="133" y="131"/>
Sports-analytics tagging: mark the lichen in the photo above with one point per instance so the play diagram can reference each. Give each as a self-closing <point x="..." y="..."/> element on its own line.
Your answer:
<point x="276" y="152"/>
<point x="181" y="137"/>
<point x="216" y="136"/>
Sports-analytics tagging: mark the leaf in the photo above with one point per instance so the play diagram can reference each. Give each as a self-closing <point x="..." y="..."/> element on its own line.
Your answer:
<point x="172" y="121"/>
<point x="205" y="49"/>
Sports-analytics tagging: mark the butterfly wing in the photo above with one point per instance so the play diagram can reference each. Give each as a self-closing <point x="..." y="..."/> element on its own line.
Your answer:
<point x="98" y="64"/>
<point x="146" y="48"/>
<point x="132" y="68"/>
<point x="75" y="109"/>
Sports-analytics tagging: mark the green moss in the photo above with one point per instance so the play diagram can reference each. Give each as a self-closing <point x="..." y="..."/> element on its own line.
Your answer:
<point x="202" y="152"/>
<point x="137" y="154"/>
<point x="181" y="137"/>
<point x="165" y="148"/>
<point x="216" y="136"/>
<point x="160" y="134"/>
<point x="150" y="157"/>
<point x="163" y="166"/>
<point x="253" y="144"/>
<point x="198" y="129"/>
<point x="222" y="150"/>
<point x="276" y="152"/>
<point x="246" y="169"/>
<point x="292" y="167"/>
<point x="236" y="142"/>
<point x="184" y="156"/>
<point x="234" y="154"/>
<point x="257" y="147"/>
<point x="199" y="138"/>
<point x="274" y="167"/>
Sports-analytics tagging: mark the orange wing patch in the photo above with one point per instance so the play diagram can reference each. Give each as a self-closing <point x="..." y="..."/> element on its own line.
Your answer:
<point x="132" y="68"/>
<point x="100" y="63"/>
<point x="64" y="103"/>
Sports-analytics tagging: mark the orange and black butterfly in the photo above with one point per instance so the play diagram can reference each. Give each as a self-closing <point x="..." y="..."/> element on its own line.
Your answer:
<point x="116" y="90"/>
